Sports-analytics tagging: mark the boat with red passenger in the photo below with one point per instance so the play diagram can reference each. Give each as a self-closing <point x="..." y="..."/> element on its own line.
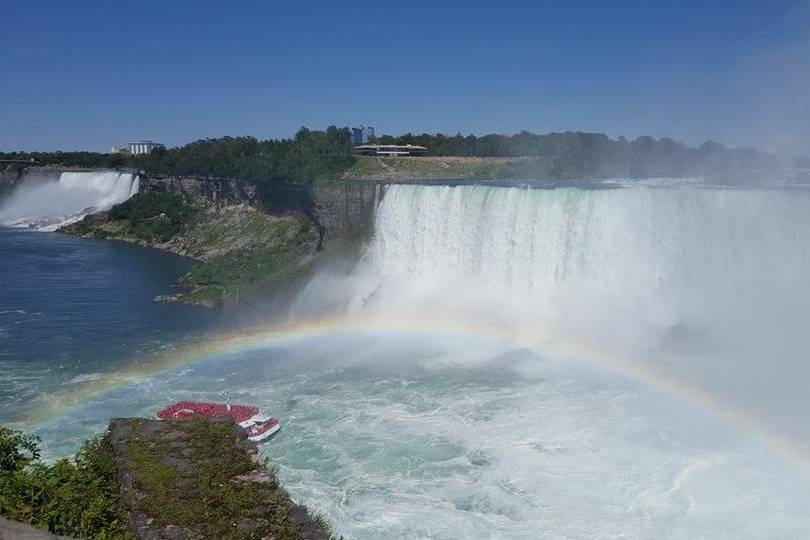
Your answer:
<point x="258" y="426"/>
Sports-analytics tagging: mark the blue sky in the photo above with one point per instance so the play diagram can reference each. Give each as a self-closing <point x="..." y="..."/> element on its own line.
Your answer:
<point x="87" y="75"/>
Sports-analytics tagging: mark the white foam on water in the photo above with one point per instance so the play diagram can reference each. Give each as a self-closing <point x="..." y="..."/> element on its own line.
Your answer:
<point x="417" y="437"/>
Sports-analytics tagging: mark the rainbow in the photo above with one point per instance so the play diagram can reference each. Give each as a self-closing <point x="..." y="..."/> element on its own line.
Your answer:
<point x="260" y="337"/>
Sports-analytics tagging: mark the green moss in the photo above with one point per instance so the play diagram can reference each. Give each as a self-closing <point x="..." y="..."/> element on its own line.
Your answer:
<point x="206" y="497"/>
<point x="243" y="249"/>
<point x="271" y="255"/>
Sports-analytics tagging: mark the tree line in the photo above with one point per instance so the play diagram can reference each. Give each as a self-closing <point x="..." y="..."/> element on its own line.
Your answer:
<point x="312" y="155"/>
<point x="309" y="156"/>
<point x="595" y="154"/>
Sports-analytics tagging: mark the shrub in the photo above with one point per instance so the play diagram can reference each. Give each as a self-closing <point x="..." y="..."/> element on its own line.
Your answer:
<point x="78" y="497"/>
<point x="155" y="216"/>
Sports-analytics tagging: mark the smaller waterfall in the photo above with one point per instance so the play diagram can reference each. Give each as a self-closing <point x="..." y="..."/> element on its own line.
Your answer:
<point x="50" y="205"/>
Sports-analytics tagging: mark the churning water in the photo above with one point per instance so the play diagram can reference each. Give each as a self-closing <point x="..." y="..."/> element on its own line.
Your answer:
<point x="516" y="363"/>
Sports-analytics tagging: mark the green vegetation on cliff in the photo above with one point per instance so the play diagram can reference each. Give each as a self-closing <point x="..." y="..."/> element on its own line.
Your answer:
<point x="202" y="479"/>
<point x="142" y="478"/>
<point x="76" y="497"/>
<point x="240" y="249"/>
<point x="244" y="250"/>
<point x="155" y="217"/>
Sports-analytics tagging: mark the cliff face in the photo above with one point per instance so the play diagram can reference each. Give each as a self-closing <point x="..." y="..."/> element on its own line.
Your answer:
<point x="12" y="175"/>
<point x="345" y="210"/>
<point x="201" y="478"/>
<point x="9" y="176"/>
<point x="341" y="210"/>
<point x="222" y="191"/>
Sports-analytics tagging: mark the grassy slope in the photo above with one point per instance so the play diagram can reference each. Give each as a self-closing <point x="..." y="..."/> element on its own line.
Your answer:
<point x="376" y="168"/>
<point x="240" y="248"/>
<point x="243" y="249"/>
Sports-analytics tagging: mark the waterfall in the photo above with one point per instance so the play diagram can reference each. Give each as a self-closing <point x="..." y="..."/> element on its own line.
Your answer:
<point x="651" y="246"/>
<point x="46" y="206"/>
<point x="708" y="283"/>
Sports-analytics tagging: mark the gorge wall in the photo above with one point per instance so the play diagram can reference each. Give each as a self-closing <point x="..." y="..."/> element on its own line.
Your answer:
<point x="341" y="210"/>
<point x="220" y="191"/>
<point x="345" y="211"/>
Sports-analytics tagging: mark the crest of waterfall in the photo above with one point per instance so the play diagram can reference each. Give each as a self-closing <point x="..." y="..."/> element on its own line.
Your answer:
<point x="666" y="252"/>
<point x="47" y="206"/>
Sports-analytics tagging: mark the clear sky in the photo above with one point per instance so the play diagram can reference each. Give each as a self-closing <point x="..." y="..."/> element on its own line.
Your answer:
<point x="91" y="74"/>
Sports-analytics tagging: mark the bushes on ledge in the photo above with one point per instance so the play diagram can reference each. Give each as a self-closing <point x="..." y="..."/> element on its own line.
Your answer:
<point x="78" y="497"/>
<point x="154" y="217"/>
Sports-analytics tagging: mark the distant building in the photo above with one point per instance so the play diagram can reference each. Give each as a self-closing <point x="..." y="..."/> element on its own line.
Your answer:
<point x="143" y="147"/>
<point x="362" y="135"/>
<point x="119" y="150"/>
<point x="390" y="150"/>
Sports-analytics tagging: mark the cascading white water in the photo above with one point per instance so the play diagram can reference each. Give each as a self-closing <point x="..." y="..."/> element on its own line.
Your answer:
<point x="50" y="205"/>
<point x="709" y="283"/>
<point x="653" y="244"/>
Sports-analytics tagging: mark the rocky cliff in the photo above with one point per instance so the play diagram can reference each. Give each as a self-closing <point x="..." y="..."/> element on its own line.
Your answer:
<point x="9" y="176"/>
<point x="202" y="478"/>
<point x="340" y="210"/>
<point x="345" y="210"/>
<point x="15" y="174"/>
<point x="219" y="191"/>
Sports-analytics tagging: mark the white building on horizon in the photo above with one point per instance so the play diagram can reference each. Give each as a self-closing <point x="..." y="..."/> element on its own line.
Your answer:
<point x="143" y="147"/>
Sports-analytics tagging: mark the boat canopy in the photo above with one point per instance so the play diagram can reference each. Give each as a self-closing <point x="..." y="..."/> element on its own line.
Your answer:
<point x="184" y="410"/>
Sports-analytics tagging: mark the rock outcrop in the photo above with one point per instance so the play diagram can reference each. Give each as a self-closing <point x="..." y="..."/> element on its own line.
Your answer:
<point x="221" y="191"/>
<point x="201" y="478"/>
<point x="15" y="174"/>
<point x="345" y="210"/>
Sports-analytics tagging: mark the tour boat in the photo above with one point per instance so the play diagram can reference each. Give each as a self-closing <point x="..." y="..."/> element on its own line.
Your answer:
<point x="259" y="427"/>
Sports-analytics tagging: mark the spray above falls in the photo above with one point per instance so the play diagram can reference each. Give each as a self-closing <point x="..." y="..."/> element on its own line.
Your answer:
<point x="46" y="206"/>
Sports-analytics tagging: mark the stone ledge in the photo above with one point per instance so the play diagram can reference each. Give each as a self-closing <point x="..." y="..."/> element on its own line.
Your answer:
<point x="201" y="478"/>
